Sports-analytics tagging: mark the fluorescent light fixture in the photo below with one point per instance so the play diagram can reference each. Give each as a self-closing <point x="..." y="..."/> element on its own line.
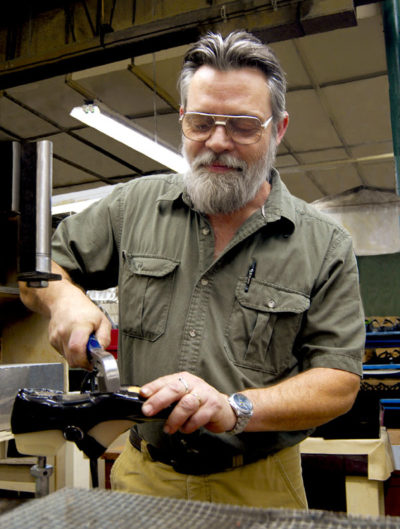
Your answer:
<point x="108" y="122"/>
<point x="78" y="200"/>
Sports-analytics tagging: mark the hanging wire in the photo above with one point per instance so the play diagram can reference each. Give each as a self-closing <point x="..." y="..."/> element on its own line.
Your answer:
<point x="155" y="99"/>
<point x="112" y="13"/>
<point x="154" y="9"/>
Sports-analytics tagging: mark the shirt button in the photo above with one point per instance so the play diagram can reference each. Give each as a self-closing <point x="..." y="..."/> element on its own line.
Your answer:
<point x="204" y="282"/>
<point x="192" y="333"/>
<point x="271" y="304"/>
<point x="205" y="231"/>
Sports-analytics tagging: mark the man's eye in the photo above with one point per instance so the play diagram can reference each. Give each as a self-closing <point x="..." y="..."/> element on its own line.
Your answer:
<point x="200" y="125"/>
<point x="244" y="126"/>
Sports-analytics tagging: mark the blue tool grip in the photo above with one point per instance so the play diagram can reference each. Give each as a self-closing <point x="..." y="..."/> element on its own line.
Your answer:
<point x="93" y="343"/>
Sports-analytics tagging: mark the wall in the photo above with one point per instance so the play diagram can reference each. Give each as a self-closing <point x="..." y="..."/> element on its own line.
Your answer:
<point x="380" y="284"/>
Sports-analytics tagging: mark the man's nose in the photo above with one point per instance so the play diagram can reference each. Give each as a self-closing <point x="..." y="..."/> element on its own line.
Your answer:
<point x="219" y="140"/>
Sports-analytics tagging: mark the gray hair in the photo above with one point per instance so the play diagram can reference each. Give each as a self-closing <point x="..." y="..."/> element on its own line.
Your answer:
<point x="238" y="50"/>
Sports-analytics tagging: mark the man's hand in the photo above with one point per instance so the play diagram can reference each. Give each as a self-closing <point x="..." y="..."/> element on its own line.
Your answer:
<point x="198" y="404"/>
<point x="73" y="317"/>
<point x="71" y="324"/>
<point x="297" y="403"/>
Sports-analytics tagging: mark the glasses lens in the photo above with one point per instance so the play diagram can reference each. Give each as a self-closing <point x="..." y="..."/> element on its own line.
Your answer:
<point x="197" y="127"/>
<point x="244" y="129"/>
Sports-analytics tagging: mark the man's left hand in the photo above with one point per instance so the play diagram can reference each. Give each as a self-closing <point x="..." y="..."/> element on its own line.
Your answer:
<point x="198" y="404"/>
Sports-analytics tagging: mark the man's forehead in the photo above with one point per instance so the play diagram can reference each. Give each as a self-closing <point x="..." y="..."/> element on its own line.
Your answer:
<point x="247" y="86"/>
<point x="209" y="73"/>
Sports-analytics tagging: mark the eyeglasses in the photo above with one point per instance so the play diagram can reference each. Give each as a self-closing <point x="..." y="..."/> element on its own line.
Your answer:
<point x="198" y="126"/>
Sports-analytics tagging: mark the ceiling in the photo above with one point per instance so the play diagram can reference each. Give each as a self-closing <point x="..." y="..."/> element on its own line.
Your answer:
<point x="339" y="136"/>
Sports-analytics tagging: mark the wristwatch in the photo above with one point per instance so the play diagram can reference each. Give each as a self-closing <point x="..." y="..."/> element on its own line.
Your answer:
<point x="243" y="408"/>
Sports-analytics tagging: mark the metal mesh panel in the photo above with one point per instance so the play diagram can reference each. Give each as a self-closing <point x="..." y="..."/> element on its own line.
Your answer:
<point x="98" y="509"/>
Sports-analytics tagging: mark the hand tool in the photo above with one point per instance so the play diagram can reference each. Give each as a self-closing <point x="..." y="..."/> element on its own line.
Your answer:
<point x="105" y="368"/>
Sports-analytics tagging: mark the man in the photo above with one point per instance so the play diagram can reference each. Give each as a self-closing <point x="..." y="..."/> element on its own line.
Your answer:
<point x="238" y="302"/>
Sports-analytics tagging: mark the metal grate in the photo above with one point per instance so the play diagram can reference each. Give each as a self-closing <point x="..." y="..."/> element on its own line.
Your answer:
<point x="103" y="509"/>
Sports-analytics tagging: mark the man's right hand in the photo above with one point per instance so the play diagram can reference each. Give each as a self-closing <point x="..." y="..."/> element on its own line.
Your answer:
<point x="71" y="323"/>
<point x="73" y="317"/>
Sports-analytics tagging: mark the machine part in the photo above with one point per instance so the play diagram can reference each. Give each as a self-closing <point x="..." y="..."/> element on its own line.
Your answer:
<point x="105" y="367"/>
<point x="44" y="182"/>
<point x="42" y="420"/>
<point x="42" y="472"/>
<point x="35" y="186"/>
<point x="35" y="376"/>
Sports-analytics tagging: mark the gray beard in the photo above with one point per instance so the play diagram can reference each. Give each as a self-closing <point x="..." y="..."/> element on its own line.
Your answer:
<point x="213" y="193"/>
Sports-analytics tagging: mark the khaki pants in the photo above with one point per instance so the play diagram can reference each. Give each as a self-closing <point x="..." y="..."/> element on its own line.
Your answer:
<point x="274" y="482"/>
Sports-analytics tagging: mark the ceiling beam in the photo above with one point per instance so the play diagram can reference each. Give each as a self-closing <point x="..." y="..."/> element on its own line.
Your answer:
<point x="70" y="132"/>
<point x="271" y="21"/>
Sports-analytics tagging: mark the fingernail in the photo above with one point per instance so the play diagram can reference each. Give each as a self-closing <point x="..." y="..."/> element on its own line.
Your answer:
<point x="145" y="392"/>
<point x="147" y="409"/>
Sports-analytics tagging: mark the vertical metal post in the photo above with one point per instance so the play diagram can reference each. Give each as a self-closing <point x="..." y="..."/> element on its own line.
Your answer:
<point x="391" y="23"/>
<point x="42" y="472"/>
<point x="43" y="205"/>
<point x="16" y="171"/>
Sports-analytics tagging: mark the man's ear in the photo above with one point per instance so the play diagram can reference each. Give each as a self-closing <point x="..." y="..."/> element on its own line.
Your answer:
<point x="281" y="128"/>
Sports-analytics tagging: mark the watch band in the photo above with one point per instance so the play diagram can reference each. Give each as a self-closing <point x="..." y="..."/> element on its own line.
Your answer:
<point x="243" y="409"/>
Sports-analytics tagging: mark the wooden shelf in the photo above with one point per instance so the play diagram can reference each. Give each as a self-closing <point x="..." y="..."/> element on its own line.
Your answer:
<point x="11" y="292"/>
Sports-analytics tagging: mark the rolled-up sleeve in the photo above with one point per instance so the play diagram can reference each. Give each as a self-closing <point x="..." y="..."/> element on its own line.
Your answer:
<point x="334" y="331"/>
<point x="86" y="244"/>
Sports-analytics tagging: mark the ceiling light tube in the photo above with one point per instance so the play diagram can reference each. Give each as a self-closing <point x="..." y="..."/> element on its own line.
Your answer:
<point x="99" y="117"/>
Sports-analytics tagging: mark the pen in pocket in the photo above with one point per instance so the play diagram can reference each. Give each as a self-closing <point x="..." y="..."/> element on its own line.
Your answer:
<point x="250" y="274"/>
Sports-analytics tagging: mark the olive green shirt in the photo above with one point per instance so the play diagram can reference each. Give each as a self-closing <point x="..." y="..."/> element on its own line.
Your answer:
<point x="182" y="310"/>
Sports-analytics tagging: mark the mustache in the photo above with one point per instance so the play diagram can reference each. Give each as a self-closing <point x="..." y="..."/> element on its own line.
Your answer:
<point x="208" y="158"/>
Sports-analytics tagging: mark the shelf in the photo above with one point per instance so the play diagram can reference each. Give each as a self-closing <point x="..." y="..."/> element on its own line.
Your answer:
<point x="381" y="370"/>
<point x="382" y="339"/>
<point x="9" y="291"/>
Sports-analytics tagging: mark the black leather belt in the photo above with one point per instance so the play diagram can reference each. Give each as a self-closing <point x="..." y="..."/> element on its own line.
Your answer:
<point x="192" y="461"/>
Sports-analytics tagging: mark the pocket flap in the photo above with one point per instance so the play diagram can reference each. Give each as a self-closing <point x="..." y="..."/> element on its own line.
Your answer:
<point x="271" y="298"/>
<point x="150" y="266"/>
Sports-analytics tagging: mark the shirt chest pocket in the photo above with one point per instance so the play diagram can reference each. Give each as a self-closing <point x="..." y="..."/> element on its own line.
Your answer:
<point x="263" y="326"/>
<point x="145" y="294"/>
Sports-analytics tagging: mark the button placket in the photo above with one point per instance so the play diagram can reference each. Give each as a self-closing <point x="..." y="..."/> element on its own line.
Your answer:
<point x="195" y="322"/>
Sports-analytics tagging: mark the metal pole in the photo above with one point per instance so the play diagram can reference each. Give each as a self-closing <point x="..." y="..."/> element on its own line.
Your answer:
<point x="16" y="174"/>
<point x="43" y="205"/>
<point x="42" y="472"/>
<point x="391" y="24"/>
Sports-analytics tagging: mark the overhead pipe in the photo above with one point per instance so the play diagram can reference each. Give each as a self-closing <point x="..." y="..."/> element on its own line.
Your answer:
<point x="391" y="24"/>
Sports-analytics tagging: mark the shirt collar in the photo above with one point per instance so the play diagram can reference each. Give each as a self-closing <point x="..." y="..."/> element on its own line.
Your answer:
<point x="279" y="204"/>
<point x="175" y="191"/>
<point x="278" y="207"/>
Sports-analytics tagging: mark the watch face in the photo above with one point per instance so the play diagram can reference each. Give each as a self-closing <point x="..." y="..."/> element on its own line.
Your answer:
<point x="243" y="402"/>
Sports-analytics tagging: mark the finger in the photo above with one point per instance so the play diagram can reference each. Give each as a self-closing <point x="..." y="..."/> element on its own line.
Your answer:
<point x="180" y="382"/>
<point x="185" y="410"/>
<point x="162" y="392"/>
<point x="77" y="346"/>
<point x="198" y="419"/>
<point x="103" y="332"/>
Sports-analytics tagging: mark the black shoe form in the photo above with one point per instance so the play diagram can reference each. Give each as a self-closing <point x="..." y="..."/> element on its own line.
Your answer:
<point x="91" y="420"/>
